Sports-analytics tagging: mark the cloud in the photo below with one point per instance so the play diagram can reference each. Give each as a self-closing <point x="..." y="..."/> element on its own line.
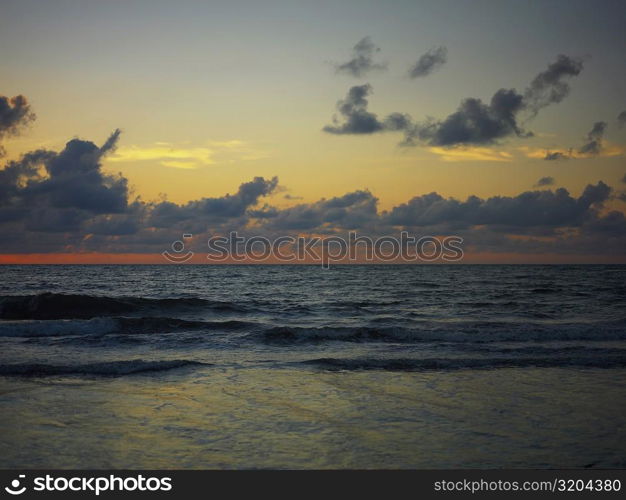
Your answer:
<point x="594" y="146"/>
<point x="430" y="61"/>
<point x="474" y="123"/>
<point x="479" y="123"/>
<point x="621" y="119"/>
<point x="214" y="210"/>
<point x="594" y="137"/>
<point x="188" y="157"/>
<point x="362" y="61"/>
<point x="550" y="86"/>
<point x="63" y="202"/>
<point x="558" y="155"/>
<point x="15" y="113"/>
<point x="350" y="211"/>
<point x="356" y="118"/>
<point x="166" y="154"/>
<point x="532" y="211"/>
<point x="545" y="181"/>
<point x="58" y="191"/>
<point x="110" y="145"/>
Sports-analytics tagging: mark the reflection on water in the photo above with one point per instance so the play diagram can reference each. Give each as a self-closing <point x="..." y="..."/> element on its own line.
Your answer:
<point x="283" y="418"/>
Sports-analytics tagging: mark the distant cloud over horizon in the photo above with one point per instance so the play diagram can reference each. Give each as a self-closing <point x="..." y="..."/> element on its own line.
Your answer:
<point x="72" y="206"/>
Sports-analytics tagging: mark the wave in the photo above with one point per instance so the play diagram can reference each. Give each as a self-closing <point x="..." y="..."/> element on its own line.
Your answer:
<point x="46" y="306"/>
<point x="110" y="369"/>
<point x="450" y="364"/>
<point x="110" y="325"/>
<point x="541" y="290"/>
<point x="432" y="331"/>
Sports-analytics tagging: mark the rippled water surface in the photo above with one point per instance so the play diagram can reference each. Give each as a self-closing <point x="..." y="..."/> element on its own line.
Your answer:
<point x="296" y="366"/>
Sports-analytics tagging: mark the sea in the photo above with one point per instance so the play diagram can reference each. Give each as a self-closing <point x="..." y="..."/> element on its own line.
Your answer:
<point x="300" y="367"/>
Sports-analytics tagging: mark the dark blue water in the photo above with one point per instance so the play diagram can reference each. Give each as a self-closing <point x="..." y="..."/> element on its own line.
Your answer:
<point x="369" y="331"/>
<point x="357" y="317"/>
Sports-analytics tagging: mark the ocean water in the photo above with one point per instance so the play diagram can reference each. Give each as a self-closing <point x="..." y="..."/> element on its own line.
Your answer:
<point x="373" y="366"/>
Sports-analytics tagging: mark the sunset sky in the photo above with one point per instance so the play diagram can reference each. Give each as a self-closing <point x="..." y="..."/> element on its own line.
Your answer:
<point x="360" y="109"/>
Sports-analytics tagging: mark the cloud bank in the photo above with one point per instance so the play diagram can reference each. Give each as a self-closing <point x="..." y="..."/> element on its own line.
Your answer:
<point x="64" y="202"/>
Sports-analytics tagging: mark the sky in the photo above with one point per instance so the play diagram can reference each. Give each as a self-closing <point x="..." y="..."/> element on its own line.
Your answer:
<point x="139" y="121"/>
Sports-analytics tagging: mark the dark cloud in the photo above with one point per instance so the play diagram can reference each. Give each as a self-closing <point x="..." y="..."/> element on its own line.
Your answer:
<point x="593" y="146"/>
<point x="356" y="118"/>
<point x="621" y="119"/>
<point x="350" y="211"/>
<point x="64" y="202"/>
<point x="479" y="123"/>
<point x="540" y="210"/>
<point x="397" y="121"/>
<point x="214" y="210"/>
<point x="16" y="174"/>
<point x="474" y="123"/>
<point x="550" y="86"/>
<point x="110" y="144"/>
<point x="15" y="113"/>
<point x="75" y="180"/>
<point x="115" y="224"/>
<point x="545" y="181"/>
<point x="429" y="62"/>
<point x="362" y="61"/>
<point x="58" y="191"/>
<point x="557" y="155"/>
<point x="594" y="137"/>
